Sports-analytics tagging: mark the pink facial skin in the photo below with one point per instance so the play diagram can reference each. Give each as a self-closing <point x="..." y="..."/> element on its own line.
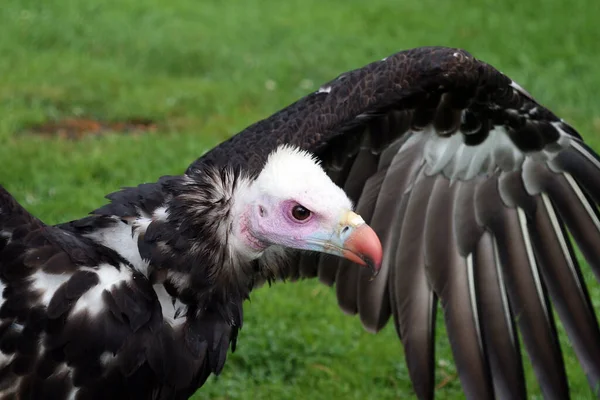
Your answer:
<point x="280" y="227"/>
<point x="332" y="234"/>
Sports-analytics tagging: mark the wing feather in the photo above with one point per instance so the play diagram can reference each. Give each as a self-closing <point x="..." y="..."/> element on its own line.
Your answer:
<point x="473" y="188"/>
<point x="497" y="325"/>
<point x="525" y="289"/>
<point x="452" y="278"/>
<point x="562" y="275"/>
<point x="573" y="206"/>
<point x="347" y="272"/>
<point x="415" y="301"/>
<point x="583" y="164"/>
<point x="373" y="297"/>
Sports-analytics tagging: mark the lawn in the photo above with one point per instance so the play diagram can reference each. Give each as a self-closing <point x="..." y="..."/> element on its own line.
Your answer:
<point x="202" y="71"/>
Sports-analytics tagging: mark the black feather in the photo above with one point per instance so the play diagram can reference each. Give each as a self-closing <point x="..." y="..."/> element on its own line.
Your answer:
<point x="491" y="243"/>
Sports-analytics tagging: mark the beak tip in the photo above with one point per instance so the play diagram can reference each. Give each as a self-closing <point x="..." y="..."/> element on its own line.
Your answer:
<point x="374" y="267"/>
<point x="375" y="271"/>
<point x="365" y="244"/>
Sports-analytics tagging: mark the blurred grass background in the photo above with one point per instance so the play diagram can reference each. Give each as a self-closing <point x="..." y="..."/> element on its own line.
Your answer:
<point x="203" y="70"/>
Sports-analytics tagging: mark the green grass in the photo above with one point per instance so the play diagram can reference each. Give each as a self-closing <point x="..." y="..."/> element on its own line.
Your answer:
<point x="202" y="69"/>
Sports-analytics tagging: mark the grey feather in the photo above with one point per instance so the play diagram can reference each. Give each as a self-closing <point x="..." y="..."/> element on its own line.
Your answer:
<point x="525" y="288"/>
<point x="452" y="278"/>
<point x="498" y="330"/>
<point x="373" y="296"/>
<point x="347" y="272"/>
<point x="562" y="275"/>
<point x="415" y="302"/>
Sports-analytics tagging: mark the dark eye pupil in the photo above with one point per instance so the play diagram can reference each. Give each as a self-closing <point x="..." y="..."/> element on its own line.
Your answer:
<point x="300" y="213"/>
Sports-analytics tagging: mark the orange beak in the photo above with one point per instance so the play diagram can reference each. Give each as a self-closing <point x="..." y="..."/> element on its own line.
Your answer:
<point x="354" y="240"/>
<point x="363" y="247"/>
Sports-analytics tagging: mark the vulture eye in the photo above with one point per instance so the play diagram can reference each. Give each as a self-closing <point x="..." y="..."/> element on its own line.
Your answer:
<point x="300" y="213"/>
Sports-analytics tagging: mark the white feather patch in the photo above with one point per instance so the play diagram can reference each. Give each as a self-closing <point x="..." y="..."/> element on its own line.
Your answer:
<point x="160" y="214"/>
<point x="47" y="284"/>
<point x="122" y="239"/>
<point x="109" y="276"/>
<point x="173" y="312"/>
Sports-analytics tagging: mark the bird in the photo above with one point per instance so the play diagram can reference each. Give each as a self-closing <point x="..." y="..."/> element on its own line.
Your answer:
<point x="428" y="177"/>
<point x="145" y="300"/>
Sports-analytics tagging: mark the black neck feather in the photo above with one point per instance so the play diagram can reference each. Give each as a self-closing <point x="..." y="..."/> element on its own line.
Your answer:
<point x="191" y="248"/>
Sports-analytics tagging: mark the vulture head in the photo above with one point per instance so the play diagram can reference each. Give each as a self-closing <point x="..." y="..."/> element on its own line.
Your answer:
<point x="293" y="203"/>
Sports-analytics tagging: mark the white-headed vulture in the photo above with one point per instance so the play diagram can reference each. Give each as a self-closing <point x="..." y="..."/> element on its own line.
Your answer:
<point x="429" y="167"/>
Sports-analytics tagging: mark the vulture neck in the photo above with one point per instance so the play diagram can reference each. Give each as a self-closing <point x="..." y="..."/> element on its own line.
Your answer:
<point x="196" y="245"/>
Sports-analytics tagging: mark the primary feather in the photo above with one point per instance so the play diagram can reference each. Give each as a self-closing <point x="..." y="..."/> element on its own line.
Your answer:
<point x="472" y="186"/>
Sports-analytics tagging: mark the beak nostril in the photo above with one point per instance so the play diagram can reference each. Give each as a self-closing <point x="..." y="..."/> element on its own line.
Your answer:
<point x="345" y="229"/>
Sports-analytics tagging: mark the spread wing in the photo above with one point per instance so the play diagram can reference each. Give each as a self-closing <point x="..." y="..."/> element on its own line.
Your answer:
<point x="76" y="320"/>
<point x="475" y="190"/>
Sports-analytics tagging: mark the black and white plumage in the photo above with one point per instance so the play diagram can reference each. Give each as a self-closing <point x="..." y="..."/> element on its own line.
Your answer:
<point x="471" y="185"/>
<point x="74" y="312"/>
<point x="143" y="299"/>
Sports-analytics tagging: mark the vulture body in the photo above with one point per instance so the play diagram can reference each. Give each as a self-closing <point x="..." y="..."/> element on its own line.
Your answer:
<point x="472" y="187"/>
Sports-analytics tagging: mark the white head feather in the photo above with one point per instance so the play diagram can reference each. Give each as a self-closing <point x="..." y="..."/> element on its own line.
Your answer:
<point x="292" y="173"/>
